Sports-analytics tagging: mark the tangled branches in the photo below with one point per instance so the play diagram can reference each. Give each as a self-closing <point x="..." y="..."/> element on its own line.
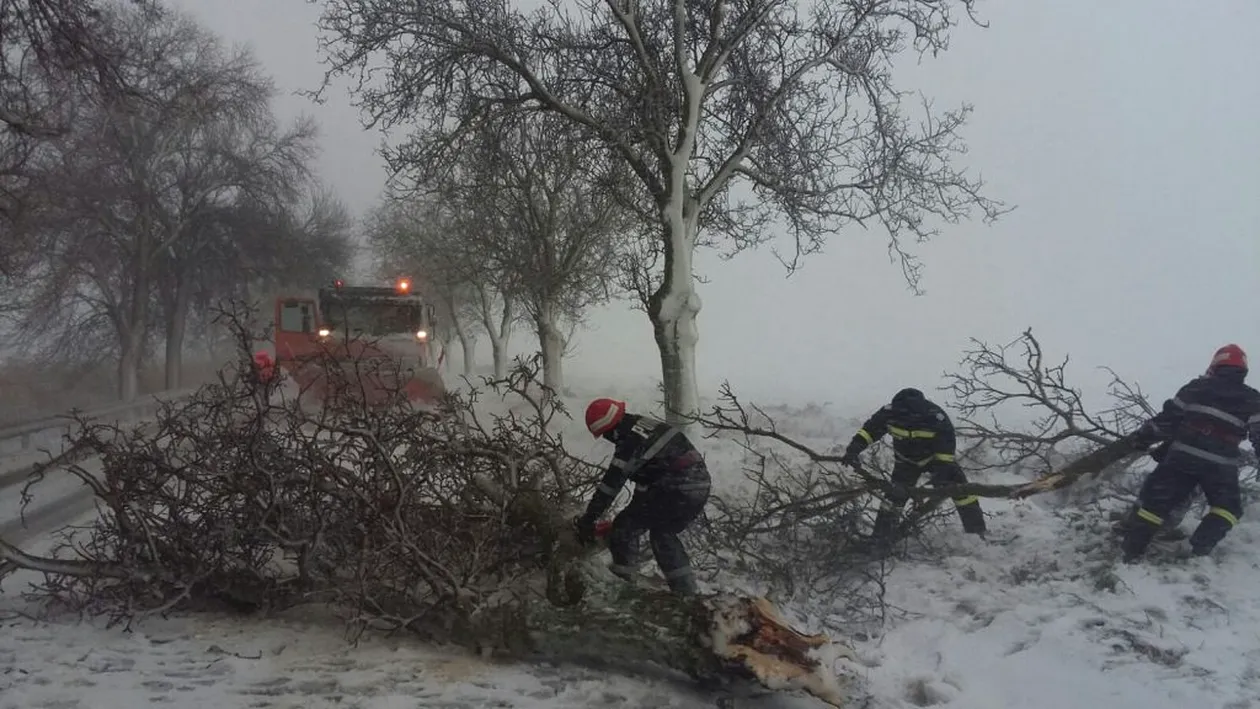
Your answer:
<point x="1014" y="381"/>
<point x="801" y="519"/>
<point x="247" y="497"/>
<point x="451" y="522"/>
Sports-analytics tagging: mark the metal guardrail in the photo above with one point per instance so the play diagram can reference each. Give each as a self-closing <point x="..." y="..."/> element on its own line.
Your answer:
<point x="31" y="436"/>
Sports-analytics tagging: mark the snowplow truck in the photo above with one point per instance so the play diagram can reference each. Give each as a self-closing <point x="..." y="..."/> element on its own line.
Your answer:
<point x="370" y="343"/>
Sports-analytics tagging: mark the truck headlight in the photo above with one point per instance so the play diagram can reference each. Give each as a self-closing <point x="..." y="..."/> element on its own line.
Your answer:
<point x="324" y="332"/>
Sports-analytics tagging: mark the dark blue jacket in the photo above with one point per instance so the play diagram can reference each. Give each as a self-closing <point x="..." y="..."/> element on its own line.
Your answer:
<point x="1208" y="418"/>
<point x="922" y="433"/>
<point x="652" y="454"/>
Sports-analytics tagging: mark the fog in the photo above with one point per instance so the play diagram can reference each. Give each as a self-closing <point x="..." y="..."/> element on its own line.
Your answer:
<point x="1125" y="133"/>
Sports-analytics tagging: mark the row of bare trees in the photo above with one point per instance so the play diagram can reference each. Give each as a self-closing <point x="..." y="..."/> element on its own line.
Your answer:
<point x="716" y="124"/>
<point x="145" y="177"/>
<point x="522" y="226"/>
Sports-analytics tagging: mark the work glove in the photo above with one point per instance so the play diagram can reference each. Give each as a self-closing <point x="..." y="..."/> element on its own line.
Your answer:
<point x="1144" y="437"/>
<point x="1158" y="452"/>
<point x="941" y="475"/>
<point x="584" y="528"/>
<point x="850" y="459"/>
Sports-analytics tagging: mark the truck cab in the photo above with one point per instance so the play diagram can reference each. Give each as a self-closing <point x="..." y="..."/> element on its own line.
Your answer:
<point x="378" y="324"/>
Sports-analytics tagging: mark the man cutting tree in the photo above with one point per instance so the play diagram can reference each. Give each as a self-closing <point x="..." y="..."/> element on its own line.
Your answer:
<point x="923" y="442"/>
<point x="671" y="487"/>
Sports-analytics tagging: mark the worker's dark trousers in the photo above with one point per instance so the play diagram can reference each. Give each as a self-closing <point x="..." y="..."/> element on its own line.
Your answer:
<point x="1169" y="485"/>
<point x="1173" y="520"/>
<point x="663" y="511"/>
<point x="906" y="474"/>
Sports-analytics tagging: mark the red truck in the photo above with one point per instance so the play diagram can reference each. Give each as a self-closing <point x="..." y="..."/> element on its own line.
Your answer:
<point x="380" y="337"/>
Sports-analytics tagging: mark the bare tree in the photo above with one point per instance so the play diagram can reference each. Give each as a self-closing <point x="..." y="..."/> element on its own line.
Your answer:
<point x="49" y="49"/>
<point x="138" y="189"/>
<point x="261" y="243"/>
<point x="553" y="222"/>
<point x="738" y="119"/>
<point x="416" y="237"/>
<point x="235" y="148"/>
<point x="496" y="307"/>
<point x="997" y="386"/>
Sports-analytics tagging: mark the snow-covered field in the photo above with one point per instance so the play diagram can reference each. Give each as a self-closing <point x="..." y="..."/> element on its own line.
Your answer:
<point x="1041" y="616"/>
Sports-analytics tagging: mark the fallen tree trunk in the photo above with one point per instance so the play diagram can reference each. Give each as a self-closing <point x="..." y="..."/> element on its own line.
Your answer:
<point x="720" y="639"/>
<point x="590" y="616"/>
<point x="717" y="639"/>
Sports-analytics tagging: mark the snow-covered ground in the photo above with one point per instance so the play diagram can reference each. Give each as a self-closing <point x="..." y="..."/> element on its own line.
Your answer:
<point x="1043" y="615"/>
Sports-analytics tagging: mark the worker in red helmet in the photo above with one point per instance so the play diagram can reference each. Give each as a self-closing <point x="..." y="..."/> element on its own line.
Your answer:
<point x="671" y="488"/>
<point x="264" y="366"/>
<point x="1203" y="425"/>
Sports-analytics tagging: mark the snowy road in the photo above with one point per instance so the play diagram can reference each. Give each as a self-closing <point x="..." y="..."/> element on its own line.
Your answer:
<point x="56" y="500"/>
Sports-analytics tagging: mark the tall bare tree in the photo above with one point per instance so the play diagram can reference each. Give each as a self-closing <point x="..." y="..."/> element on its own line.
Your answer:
<point x="235" y="147"/>
<point x="554" y="222"/>
<point x="260" y="242"/>
<point x="133" y="191"/>
<point x="739" y="119"/>
<point x="47" y="49"/>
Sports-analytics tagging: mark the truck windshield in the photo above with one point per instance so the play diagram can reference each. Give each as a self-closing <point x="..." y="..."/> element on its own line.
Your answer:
<point x="372" y="319"/>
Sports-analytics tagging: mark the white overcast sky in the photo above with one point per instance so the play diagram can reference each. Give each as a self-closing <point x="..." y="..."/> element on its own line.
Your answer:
<point x="1127" y="132"/>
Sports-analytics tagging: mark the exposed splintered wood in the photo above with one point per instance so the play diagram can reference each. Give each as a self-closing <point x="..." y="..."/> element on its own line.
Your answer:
<point x="1091" y="463"/>
<point x="717" y="639"/>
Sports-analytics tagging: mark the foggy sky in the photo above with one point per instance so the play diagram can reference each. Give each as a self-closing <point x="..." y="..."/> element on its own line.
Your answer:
<point x="1127" y="132"/>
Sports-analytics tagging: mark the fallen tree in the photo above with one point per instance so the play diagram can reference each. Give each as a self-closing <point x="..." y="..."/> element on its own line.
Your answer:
<point x="803" y="518"/>
<point x="804" y="515"/>
<point x="451" y="523"/>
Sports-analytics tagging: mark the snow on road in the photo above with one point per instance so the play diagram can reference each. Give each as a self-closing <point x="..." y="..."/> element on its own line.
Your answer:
<point x="53" y="491"/>
<point x="1041" y="617"/>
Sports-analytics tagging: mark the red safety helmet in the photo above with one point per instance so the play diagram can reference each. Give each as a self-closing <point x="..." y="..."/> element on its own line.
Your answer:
<point x="264" y="365"/>
<point x="1228" y="356"/>
<point x="603" y="415"/>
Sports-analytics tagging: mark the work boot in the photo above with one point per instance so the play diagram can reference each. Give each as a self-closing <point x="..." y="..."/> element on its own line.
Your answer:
<point x="1171" y="534"/>
<point x="1202" y="550"/>
<point x="972" y="518"/>
<point x="1137" y="536"/>
<point x="682" y="581"/>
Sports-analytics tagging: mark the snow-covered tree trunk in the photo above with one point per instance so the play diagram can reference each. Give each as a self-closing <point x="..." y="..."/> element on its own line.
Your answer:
<point x="133" y="332"/>
<point x="501" y="332"/>
<point x="129" y="365"/>
<point x="674" y="326"/>
<point x="551" y="342"/>
<point x="176" y="329"/>
<point x="468" y="347"/>
<point x="675" y="304"/>
<point x="444" y="351"/>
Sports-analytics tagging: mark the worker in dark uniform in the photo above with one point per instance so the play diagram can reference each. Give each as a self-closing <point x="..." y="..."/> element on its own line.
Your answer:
<point x="923" y="441"/>
<point x="671" y="488"/>
<point x="1204" y="423"/>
